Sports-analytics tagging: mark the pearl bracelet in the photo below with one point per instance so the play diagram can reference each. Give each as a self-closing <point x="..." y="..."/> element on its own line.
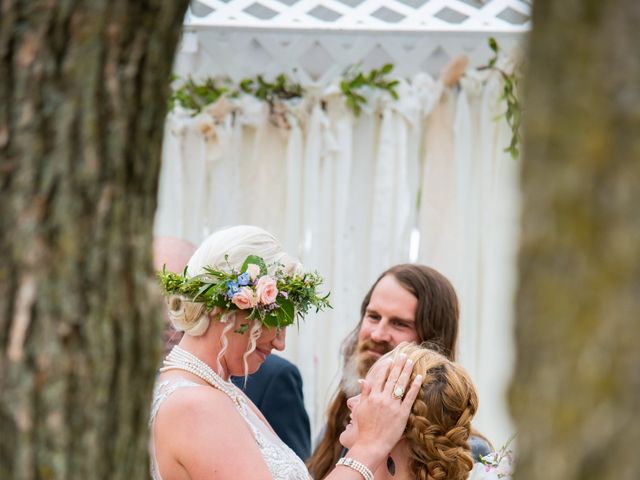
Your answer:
<point x="359" y="467"/>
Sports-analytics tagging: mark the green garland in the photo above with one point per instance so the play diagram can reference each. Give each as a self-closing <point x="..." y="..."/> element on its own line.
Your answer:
<point x="281" y="89"/>
<point x="196" y="96"/>
<point x="513" y="113"/>
<point x="374" y="79"/>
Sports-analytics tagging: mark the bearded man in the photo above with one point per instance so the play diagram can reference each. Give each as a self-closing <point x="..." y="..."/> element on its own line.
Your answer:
<point x="407" y="303"/>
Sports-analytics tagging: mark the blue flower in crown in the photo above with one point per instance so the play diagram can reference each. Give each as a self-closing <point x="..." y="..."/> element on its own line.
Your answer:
<point x="232" y="288"/>
<point x="244" y="279"/>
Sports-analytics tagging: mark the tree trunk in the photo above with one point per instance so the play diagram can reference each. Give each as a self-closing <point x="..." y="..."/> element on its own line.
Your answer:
<point x="83" y="95"/>
<point x="576" y="389"/>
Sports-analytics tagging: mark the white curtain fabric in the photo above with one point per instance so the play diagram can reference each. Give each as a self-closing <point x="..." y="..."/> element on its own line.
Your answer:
<point x="349" y="194"/>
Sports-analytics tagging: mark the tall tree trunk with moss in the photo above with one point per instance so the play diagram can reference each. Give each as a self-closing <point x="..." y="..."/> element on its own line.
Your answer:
<point x="576" y="387"/>
<point x="83" y="90"/>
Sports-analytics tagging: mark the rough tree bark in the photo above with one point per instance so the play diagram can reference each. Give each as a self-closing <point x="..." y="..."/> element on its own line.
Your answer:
<point x="83" y="87"/>
<point x="576" y="390"/>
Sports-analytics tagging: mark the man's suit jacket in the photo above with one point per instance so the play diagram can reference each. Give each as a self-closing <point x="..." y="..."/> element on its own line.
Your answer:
<point x="276" y="389"/>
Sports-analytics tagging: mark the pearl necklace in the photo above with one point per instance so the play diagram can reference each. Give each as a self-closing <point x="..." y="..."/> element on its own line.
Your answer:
<point x="180" y="359"/>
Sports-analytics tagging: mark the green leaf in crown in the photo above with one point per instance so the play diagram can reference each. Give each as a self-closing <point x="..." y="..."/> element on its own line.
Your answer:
<point x="276" y="300"/>
<point x="286" y="313"/>
<point x="255" y="260"/>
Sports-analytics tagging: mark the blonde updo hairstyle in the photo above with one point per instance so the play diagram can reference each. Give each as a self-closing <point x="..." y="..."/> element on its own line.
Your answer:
<point x="227" y="249"/>
<point x="439" y="424"/>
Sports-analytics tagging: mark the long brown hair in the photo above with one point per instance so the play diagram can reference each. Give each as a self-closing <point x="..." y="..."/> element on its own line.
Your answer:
<point x="437" y="315"/>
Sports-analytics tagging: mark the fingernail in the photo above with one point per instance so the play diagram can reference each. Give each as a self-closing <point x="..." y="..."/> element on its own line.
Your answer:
<point x="403" y="356"/>
<point x="409" y="362"/>
<point x="419" y="378"/>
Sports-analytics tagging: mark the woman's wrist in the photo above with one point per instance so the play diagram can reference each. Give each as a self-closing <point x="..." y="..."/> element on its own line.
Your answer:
<point x="357" y="466"/>
<point x="369" y="455"/>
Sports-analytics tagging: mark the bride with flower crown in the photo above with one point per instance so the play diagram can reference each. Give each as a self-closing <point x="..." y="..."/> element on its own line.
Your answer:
<point x="237" y="296"/>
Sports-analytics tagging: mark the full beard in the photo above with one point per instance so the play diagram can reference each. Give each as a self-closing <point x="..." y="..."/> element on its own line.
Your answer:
<point x="357" y="366"/>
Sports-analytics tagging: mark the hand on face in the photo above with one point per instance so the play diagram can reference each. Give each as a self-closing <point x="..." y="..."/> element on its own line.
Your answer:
<point x="378" y="417"/>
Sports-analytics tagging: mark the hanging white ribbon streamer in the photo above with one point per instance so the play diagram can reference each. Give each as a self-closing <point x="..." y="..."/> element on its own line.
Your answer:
<point x="341" y="192"/>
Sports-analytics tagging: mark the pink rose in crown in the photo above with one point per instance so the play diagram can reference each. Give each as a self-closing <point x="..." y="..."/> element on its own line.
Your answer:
<point x="244" y="298"/>
<point x="266" y="290"/>
<point x="253" y="270"/>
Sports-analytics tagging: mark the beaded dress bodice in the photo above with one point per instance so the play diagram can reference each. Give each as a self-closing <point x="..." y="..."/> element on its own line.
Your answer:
<point x="282" y="462"/>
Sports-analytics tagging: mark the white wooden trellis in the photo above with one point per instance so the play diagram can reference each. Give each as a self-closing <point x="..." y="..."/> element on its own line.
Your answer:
<point x="392" y="15"/>
<point x="314" y="41"/>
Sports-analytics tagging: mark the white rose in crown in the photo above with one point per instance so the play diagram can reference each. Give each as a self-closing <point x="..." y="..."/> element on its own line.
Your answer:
<point x="253" y="270"/>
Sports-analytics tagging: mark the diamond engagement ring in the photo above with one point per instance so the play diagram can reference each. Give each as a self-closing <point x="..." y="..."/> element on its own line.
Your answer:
<point x="398" y="393"/>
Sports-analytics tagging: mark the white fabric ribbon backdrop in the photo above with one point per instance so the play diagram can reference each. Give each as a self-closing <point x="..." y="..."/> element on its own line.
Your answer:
<point x="423" y="178"/>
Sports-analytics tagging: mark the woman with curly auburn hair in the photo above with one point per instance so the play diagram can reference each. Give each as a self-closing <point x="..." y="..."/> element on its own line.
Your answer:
<point x="435" y="441"/>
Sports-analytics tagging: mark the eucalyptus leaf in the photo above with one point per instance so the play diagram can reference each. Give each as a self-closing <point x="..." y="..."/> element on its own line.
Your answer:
<point x="204" y="289"/>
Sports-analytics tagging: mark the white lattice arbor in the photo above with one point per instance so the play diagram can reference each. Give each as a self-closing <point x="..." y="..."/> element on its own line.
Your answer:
<point x="313" y="41"/>
<point x="393" y="15"/>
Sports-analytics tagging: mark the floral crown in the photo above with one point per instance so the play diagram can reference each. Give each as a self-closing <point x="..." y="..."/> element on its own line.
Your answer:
<point x="274" y="299"/>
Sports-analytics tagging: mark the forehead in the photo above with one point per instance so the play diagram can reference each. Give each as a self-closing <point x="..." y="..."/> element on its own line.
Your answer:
<point x="390" y="298"/>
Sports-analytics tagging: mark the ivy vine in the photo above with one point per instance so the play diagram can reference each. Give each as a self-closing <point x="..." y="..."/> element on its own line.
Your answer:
<point x="281" y="88"/>
<point x="195" y="96"/>
<point x="510" y="95"/>
<point x="376" y="78"/>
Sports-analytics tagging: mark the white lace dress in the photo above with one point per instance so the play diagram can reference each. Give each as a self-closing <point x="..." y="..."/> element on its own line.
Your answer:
<point x="282" y="462"/>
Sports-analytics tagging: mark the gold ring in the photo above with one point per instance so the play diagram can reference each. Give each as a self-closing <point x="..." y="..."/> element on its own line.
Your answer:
<point x="398" y="393"/>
